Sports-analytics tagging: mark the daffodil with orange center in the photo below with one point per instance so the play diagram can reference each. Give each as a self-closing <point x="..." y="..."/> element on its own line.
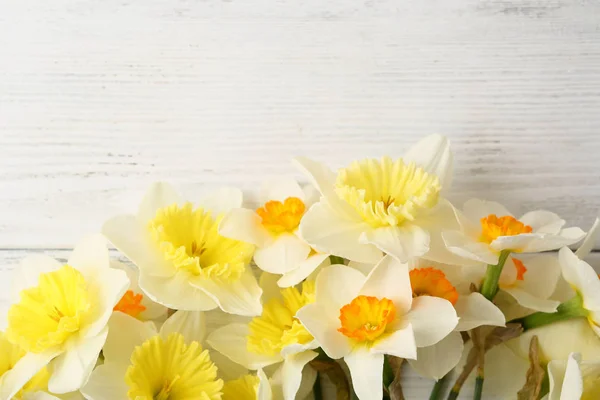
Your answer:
<point x="183" y="261"/>
<point x="273" y="229"/>
<point x="487" y="229"/>
<point x="361" y="318"/>
<point x="389" y="205"/>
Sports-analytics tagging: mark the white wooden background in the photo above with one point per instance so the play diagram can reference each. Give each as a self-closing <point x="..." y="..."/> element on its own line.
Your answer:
<point x="100" y="98"/>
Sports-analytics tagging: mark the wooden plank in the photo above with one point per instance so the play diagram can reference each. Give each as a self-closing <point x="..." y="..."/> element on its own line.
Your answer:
<point x="98" y="99"/>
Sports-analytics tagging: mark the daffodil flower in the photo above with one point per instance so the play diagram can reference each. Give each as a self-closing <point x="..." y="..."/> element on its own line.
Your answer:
<point x="59" y="316"/>
<point x="574" y="379"/>
<point x="374" y="206"/>
<point x="273" y="229"/>
<point x="360" y="319"/>
<point x="183" y="262"/>
<point x="274" y="337"/>
<point x="487" y="229"/>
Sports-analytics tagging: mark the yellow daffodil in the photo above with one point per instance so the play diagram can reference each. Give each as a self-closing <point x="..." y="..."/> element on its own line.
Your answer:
<point x="362" y="318"/>
<point x="183" y="262"/>
<point x="59" y="316"/>
<point x="487" y="229"/>
<point x="273" y="228"/>
<point x="382" y="205"/>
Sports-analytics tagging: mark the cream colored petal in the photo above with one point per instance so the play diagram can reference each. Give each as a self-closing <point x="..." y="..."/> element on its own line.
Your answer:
<point x="159" y="195"/>
<point x="565" y="379"/>
<point x="532" y="302"/>
<point x="26" y="275"/>
<point x="543" y="272"/>
<point x="330" y="232"/>
<point x="325" y="330"/>
<point x="280" y="189"/>
<point x="437" y="360"/>
<point x="306" y="268"/>
<point x="566" y="237"/>
<point x="390" y="279"/>
<point x="14" y="379"/>
<point x="241" y="297"/>
<point x="107" y="382"/>
<point x="590" y="240"/>
<point x="71" y="370"/>
<point x="311" y="195"/>
<point x="433" y="154"/>
<point x="336" y="286"/>
<point x="231" y="341"/>
<point x="432" y="319"/>
<point x="244" y="225"/>
<point x="404" y="243"/>
<point x="228" y="370"/>
<point x="282" y="255"/>
<point x="582" y="276"/>
<point x="176" y="292"/>
<point x="366" y="370"/>
<point x="464" y="246"/>
<point x="543" y="221"/>
<point x="475" y="209"/>
<point x="264" y="387"/>
<point x="292" y="372"/>
<point x="190" y="324"/>
<point x="90" y="254"/>
<point x="475" y="310"/>
<point x="124" y="334"/>
<point x="222" y="200"/>
<point x="518" y="243"/>
<point x="318" y="174"/>
<point x="364" y="268"/>
<point x="400" y="343"/>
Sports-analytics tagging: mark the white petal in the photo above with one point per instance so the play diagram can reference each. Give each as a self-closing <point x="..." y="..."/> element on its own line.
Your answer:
<point x="231" y="341"/>
<point x="106" y="286"/>
<point x="282" y="255"/>
<point x="336" y="286"/>
<point x="26" y="275"/>
<point x="434" y="155"/>
<point x="176" y="292"/>
<point x="191" y="324"/>
<point x="437" y="360"/>
<point x="517" y="243"/>
<point x="581" y="275"/>
<point x="159" y="195"/>
<point x="400" y="343"/>
<point x="465" y="247"/>
<point x="432" y="319"/>
<point x="528" y="300"/>
<point x="318" y="174"/>
<point x="107" y="382"/>
<point x="403" y="242"/>
<point x="390" y="279"/>
<point x="330" y="232"/>
<point x="325" y="330"/>
<point x="590" y="240"/>
<point x="124" y="334"/>
<point x="543" y="272"/>
<point x="14" y="379"/>
<point x="89" y="254"/>
<point x="264" y="386"/>
<point x="364" y="268"/>
<point x="228" y="370"/>
<point x="504" y="373"/>
<point x="241" y="297"/>
<point x="311" y="195"/>
<point x="222" y="200"/>
<point x="566" y="381"/>
<point x="475" y="310"/>
<point x="244" y="225"/>
<point x="280" y="189"/>
<point x="72" y="369"/>
<point x="292" y="372"/>
<point x="269" y="286"/>
<point x="475" y="209"/>
<point x="305" y="268"/>
<point x="543" y="221"/>
<point x="47" y="396"/>
<point x="366" y="370"/>
<point x="566" y="237"/>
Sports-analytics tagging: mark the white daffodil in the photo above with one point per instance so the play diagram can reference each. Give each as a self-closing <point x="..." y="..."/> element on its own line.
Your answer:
<point x="274" y="337"/>
<point x="574" y="379"/>
<point x="448" y="282"/>
<point x="183" y="262"/>
<point x="133" y="302"/>
<point x="487" y="229"/>
<point x="273" y="229"/>
<point x="59" y="316"/>
<point x="385" y="205"/>
<point x="362" y="318"/>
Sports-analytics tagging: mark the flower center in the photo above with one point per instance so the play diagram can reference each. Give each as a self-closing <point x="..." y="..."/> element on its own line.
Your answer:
<point x="493" y="227"/>
<point x="244" y="388"/>
<point x="521" y="269"/>
<point x="280" y="217"/>
<point x="131" y="304"/>
<point x="190" y="241"/>
<point x="171" y="370"/>
<point x="386" y="192"/>
<point x="277" y="327"/>
<point x="10" y="355"/>
<point x="432" y="282"/>
<point x="366" y="317"/>
<point x="48" y="314"/>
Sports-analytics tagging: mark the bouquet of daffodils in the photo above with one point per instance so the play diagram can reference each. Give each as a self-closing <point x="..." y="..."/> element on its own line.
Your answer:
<point x="322" y="291"/>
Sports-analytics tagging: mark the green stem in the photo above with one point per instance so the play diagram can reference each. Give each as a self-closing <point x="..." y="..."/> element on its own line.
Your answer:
<point x="453" y="395"/>
<point x="569" y="309"/>
<point x="388" y="373"/>
<point x="478" y="388"/>
<point x="438" y="388"/>
<point x="489" y="287"/>
<point x="336" y="260"/>
<point x="317" y="390"/>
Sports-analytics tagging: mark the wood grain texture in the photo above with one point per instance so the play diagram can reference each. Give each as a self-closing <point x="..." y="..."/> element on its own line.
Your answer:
<point x="98" y="99"/>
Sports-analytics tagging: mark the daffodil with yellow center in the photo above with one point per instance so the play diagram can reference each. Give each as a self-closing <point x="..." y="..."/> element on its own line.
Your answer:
<point x="183" y="261"/>
<point x="273" y="337"/>
<point x="360" y="319"/>
<point x="487" y="229"/>
<point x="273" y="229"/>
<point x="59" y="314"/>
<point x="382" y="205"/>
